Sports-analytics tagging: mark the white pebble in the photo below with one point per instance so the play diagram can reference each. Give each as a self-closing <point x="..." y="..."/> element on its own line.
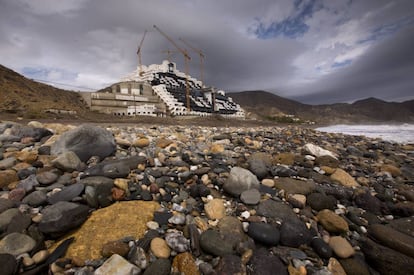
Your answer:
<point x="296" y="210"/>
<point x="193" y="167"/>
<point x="363" y="229"/>
<point x="245" y="226"/>
<point x="152" y="225"/>
<point x="245" y="214"/>
<point x="210" y="197"/>
<point x="309" y="157"/>
<point x="389" y="217"/>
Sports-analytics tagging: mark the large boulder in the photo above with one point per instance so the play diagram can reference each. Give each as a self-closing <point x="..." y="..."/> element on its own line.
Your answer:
<point x="86" y="141"/>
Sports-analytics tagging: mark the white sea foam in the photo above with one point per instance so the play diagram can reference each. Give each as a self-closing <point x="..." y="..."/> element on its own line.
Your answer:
<point x="402" y="133"/>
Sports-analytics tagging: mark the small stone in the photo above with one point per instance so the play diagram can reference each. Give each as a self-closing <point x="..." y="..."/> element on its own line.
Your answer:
<point x="335" y="267"/>
<point x="141" y="142"/>
<point x="16" y="243"/>
<point x="160" y="248"/>
<point x="117" y="265"/>
<point x="47" y="178"/>
<point x="341" y="247"/>
<point x="7" y="177"/>
<point x="294" y="233"/>
<point x="318" y="201"/>
<point x="152" y="225"/>
<point x="212" y="242"/>
<point x="138" y="257"/>
<point x="393" y="170"/>
<point x="264" y="233"/>
<point x="342" y="177"/>
<point x="230" y="264"/>
<point x="178" y="218"/>
<point x="332" y="222"/>
<point x="268" y="182"/>
<point x="297" y="200"/>
<point x="321" y="248"/>
<point x="67" y="161"/>
<point x="317" y="151"/>
<point x="40" y="256"/>
<point x="250" y="197"/>
<point x="216" y="148"/>
<point x="28" y="261"/>
<point x="8" y="264"/>
<point x="177" y="242"/>
<point x="239" y="180"/>
<point x="159" y="267"/>
<point x="115" y="247"/>
<point x="215" y="209"/>
<point x="184" y="264"/>
<point x="36" y="198"/>
<point x="294" y="186"/>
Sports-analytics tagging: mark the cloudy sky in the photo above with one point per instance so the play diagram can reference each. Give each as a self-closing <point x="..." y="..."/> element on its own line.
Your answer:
<point x="314" y="51"/>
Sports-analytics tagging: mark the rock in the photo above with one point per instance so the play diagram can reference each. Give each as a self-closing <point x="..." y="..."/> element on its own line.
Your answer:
<point x="160" y="248"/>
<point x="177" y="242"/>
<point x="230" y="264"/>
<point x="317" y="151"/>
<point x="67" y="161"/>
<point x="7" y="163"/>
<point x="341" y="247"/>
<point x="259" y="163"/>
<point x="240" y="180"/>
<point x="212" y="242"/>
<point x="386" y="260"/>
<point x="85" y="141"/>
<point x="27" y="156"/>
<point x="321" y="248"/>
<point x="368" y="202"/>
<point x="107" y="224"/>
<point x="264" y="233"/>
<point x="5" y="204"/>
<point x="138" y="257"/>
<point x="6" y="217"/>
<point x="332" y="222"/>
<point x="268" y="182"/>
<point x="16" y="243"/>
<point x="115" y="247"/>
<point x="17" y="194"/>
<point x="275" y="209"/>
<point x="327" y="161"/>
<point x="297" y="200"/>
<point x="343" y="178"/>
<point x="62" y="216"/>
<point x="355" y="265"/>
<point x="215" y="209"/>
<point x="318" y="201"/>
<point x="265" y="263"/>
<point x="250" y="197"/>
<point x="40" y="256"/>
<point x="335" y="267"/>
<point x="294" y="186"/>
<point x="21" y="132"/>
<point x="285" y="158"/>
<point x="403" y="209"/>
<point x="294" y="233"/>
<point x="392" y="238"/>
<point x="185" y="264"/>
<point x="8" y="264"/>
<point x="7" y="177"/>
<point x="159" y="267"/>
<point x="67" y="193"/>
<point x="217" y="148"/>
<point x="404" y="225"/>
<point x="29" y="183"/>
<point x="393" y="170"/>
<point x="141" y="142"/>
<point x="47" y="177"/>
<point x="118" y="168"/>
<point x="19" y="223"/>
<point x="231" y="230"/>
<point x="117" y="265"/>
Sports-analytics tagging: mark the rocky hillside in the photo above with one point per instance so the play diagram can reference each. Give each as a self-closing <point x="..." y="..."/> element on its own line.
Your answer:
<point x="24" y="97"/>
<point x="261" y="104"/>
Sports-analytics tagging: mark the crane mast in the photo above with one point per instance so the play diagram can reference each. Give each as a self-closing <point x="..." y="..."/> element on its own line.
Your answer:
<point x="139" y="53"/>
<point x="201" y="55"/>
<point x="187" y="58"/>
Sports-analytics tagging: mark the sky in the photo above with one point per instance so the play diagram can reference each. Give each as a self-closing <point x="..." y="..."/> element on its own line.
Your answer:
<point x="313" y="51"/>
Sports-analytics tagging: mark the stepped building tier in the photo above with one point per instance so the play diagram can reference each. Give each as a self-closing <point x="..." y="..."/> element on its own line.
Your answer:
<point x="161" y="90"/>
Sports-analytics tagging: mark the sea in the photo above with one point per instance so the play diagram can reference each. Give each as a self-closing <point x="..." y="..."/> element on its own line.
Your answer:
<point x="400" y="133"/>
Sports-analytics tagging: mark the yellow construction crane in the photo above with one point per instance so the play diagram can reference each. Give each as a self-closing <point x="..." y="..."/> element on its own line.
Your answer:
<point x="187" y="59"/>
<point x="139" y="53"/>
<point x="202" y="56"/>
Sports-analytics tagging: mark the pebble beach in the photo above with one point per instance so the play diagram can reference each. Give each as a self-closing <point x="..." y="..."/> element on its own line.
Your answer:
<point x="165" y="199"/>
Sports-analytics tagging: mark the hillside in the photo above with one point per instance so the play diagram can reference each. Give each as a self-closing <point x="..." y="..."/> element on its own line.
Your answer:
<point x="261" y="104"/>
<point x="24" y="97"/>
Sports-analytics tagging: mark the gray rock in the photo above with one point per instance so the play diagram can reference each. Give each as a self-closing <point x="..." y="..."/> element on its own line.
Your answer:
<point x="275" y="209"/>
<point x="35" y="198"/>
<point x="7" y="216"/>
<point x="327" y="161"/>
<point x="318" y="201"/>
<point x="239" y="180"/>
<point x="264" y="233"/>
<point x="404" y="225"/>
<point x="62" y="216"/>
<point x="264" y="263"/>
<point x="97" y="180"/>
<point x="282" y="171"/>
<point x="67" y="161"/>
<point x="21" y="131"/>
<point x="294" y="233"/>
<point x="19" y="223"/>
<point x="258" y="167"/>
<point x="29" y="183"/>
<point x="118" y="168"/>
<point x="386" y="260"/>
<point x="250" y="197"/>
<point x="8" y="264"/>
<point x="86" y="141"/>
<point x="212" y="242"/>
<point x="47" y="177"/>
<point x="368" y="202"/>
<point x="159" y="267"/>
<point x="5" y="204"/>
<point x="177" y="242"/>
<point x="16" y="243"/>
<point x="117" y="265"/>
<point x="67" y="193"/>
<point x="231" y="264"/>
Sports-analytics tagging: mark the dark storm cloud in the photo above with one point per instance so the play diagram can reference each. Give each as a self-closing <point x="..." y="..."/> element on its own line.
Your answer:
<point x="385" y="72"/>
<point x="315" y="50"/>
